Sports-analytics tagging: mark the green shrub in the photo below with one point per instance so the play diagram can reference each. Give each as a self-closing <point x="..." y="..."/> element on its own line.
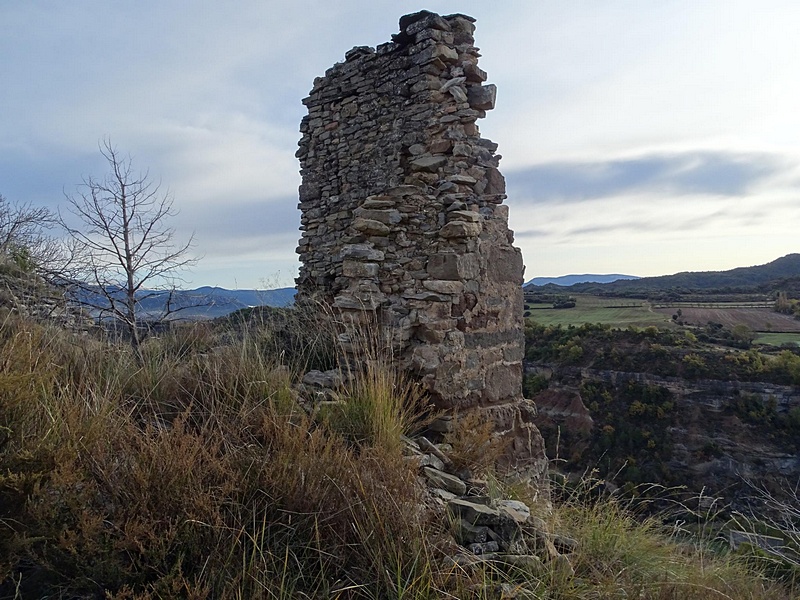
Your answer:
<point x="377" y="407"/>
<point x="533" y="384"/>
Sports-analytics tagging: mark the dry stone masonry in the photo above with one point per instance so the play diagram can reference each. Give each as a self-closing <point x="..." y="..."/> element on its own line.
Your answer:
<point x="403" y="222"/>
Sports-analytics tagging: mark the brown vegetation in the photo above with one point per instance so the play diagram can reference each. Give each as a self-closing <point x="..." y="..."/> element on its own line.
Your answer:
<point x="195" y="474"/>
<point x="757" y="319"/>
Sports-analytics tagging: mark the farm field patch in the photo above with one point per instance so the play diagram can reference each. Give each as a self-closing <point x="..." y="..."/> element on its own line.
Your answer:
<point x="616" y="312"/>
<point x="778" y="339"/>
<point x="772" y="328"/>
<point x="757" y="319"/>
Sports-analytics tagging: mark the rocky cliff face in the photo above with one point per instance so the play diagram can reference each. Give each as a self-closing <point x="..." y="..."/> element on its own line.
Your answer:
<point x="710" y="434"/>
<point x="403" y="224"/>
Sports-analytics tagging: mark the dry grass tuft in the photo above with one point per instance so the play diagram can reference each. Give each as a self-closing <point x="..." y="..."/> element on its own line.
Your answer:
<point x="475" y="443"/>
<point x="194" y="474"/>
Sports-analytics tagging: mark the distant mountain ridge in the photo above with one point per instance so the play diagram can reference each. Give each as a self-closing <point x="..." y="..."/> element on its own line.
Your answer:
<point x="245" y="298"/>
<point x="783" y="268"/>
<point x="221" y="301"/>
<point x="205" y="302"/>
<point x="568" y="280"/>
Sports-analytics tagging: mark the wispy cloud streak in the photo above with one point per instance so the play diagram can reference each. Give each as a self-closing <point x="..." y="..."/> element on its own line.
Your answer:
<point x="691" y="173"/>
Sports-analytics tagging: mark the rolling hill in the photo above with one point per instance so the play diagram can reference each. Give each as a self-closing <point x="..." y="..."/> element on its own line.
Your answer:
<point x="782" y="272"/>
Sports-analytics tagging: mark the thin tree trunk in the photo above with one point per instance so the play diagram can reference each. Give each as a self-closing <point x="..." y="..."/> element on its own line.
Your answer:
<point x="133" y="326"/>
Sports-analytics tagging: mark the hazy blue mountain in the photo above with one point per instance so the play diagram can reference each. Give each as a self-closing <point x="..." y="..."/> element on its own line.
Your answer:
<point x="568" y="280"/>
<point x="210" y="302"/>
<point x="277" y="297"/>
<point x="201" y="303"/>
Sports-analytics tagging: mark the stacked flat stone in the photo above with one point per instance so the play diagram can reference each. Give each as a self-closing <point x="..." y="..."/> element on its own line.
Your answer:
<point x="403" y="222"/>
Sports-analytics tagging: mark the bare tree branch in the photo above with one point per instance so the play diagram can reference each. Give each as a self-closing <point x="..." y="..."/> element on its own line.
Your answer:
<point x="24" y="240"/>
<point x="129" y="247"/>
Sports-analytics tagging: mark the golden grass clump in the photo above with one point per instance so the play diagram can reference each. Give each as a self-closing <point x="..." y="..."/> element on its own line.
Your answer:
<point x="475" y="444"/>
<point x="192" y="472"/>
<point x="623" y="553"/>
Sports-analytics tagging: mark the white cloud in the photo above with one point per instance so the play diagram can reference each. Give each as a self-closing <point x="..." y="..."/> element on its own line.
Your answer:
<point x="207" y="96"/>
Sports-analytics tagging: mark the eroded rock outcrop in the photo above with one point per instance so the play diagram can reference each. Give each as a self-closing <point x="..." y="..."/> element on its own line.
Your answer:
<point x="712" y="436"/>
<point x="403" y="223"/>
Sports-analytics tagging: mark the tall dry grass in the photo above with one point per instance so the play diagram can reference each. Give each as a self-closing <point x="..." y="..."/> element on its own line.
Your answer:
<point x="193" y="473"/>
<point x="627" y="553"/>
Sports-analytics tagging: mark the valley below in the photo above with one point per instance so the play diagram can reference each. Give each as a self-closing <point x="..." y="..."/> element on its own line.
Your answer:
<point x="715" y="437"/>
<point x="690" y="382"/>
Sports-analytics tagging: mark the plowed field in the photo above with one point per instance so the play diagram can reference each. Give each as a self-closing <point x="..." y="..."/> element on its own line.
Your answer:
<point x="757" y="319"/>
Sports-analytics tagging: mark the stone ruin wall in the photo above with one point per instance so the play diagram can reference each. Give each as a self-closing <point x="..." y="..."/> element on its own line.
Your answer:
<point x="403" y="222"/>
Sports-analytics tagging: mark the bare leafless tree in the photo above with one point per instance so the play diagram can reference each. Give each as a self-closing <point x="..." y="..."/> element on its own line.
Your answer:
<point x="25" y="241"/>
<point x="130" y="254"/>
<point x="29" y="255"/>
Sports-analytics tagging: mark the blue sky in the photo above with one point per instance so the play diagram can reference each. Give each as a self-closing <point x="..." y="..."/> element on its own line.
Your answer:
<point x="638" y="137"/>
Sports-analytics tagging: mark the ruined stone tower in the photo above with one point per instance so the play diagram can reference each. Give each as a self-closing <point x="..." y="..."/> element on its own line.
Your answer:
<point x="403" y="222"/>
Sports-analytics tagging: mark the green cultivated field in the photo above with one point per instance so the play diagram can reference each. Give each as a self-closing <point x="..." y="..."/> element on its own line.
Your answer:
<point x="623" y="312"/>
<point x="592" y="309"/>
<point x="778" y="339"/>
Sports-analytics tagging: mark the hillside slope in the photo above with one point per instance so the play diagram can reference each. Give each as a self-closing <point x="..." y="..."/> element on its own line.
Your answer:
<point x="740" y="278"/>
<point x="661" y="406"/>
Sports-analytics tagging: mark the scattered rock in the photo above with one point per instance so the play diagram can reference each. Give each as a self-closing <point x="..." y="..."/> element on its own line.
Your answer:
<point x="427" y="446"/>
<point x="515" y="509"/>
<point x="467" y="534"/>
<point x="429" y="460"/>
<point x="529" y="562"/>
<point x="443" y="480"/>
<point x="443" y="424"/>
<point x="484" y="548"/>
<point x="472" y="512"/>
<point x="564" y="544"/>
<point x="325" y="379"/>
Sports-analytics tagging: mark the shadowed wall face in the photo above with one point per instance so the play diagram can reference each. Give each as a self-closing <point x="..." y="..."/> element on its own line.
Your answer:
<point x="403" y="222"/>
